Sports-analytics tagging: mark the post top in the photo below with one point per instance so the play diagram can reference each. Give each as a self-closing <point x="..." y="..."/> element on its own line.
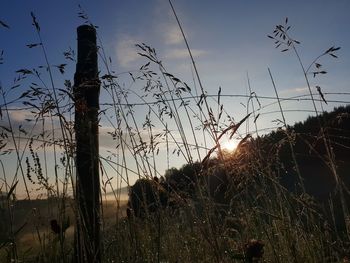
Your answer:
<point x="87" y="66"/>
<point x="86" y="30"/>
<point x="85" y="27"/>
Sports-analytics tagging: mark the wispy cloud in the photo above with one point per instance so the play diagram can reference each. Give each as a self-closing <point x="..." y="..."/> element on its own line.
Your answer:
<point x="19" y="116"/>
<point x="24" y="130"/>
<point x="165" y="24"/>
<point x="126" y="51"/>
<point x="107" y="142"/>
<point x="178" y="53"/>
<point x="293" y="90"/>
<point x="172" y="34"/>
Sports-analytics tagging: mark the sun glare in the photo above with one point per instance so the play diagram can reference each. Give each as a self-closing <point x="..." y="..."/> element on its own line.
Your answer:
<point x="230" y="145"/>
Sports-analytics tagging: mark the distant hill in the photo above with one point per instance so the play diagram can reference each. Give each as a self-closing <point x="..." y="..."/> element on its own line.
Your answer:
<point x="271" y="156"/>
<point x="311" y="154"/>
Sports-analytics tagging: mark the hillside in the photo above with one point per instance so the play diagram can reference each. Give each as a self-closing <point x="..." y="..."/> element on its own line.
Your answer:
<point x="310" y="152"/>
<point x="295" y="159"/>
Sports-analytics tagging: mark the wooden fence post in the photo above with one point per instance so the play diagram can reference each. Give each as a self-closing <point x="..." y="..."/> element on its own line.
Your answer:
<point x="86" y="95"/>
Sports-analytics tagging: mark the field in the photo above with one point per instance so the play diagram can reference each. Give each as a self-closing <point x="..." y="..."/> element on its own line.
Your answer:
<point x="31" y="221"/>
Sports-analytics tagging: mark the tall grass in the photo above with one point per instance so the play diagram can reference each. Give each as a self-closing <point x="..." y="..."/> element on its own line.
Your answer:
<point x="169" y="121"/>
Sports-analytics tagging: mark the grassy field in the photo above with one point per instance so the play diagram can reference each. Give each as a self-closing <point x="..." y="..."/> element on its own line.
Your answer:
<point x="33" y="231"/>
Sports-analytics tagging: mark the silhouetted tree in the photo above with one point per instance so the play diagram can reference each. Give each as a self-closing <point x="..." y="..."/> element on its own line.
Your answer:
<point x="146" y="196"/>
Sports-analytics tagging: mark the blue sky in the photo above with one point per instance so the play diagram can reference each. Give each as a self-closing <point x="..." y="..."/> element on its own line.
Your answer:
<point x="227" y="37"/>
<point x="228" y="40"/>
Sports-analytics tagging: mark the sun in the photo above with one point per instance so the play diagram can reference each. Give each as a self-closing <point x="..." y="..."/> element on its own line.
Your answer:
<point x="230" y="145"/>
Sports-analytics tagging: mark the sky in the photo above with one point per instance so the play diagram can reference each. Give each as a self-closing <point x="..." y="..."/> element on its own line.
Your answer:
<point x="228" y="40"/>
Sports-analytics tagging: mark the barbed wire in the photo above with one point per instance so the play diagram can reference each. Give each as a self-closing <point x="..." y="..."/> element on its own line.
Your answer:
<point x="303" y="97"/>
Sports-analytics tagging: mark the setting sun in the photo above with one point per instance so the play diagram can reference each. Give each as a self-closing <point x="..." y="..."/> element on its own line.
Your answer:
<point x="230" y="145"/>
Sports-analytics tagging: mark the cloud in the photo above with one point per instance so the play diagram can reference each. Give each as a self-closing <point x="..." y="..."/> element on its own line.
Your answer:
<point x="105" y="137"/>
<point x="179" y="53"/>
<point x="19" y="116"/>
<point x="23" y="130"/>
<point x="172" y="34"/>
<point x="293" y="91"/>
<point x="18" y="119"/>
<point x="126" y="51"/>
<point x="165" y="23"/>
<point x="107" y="143"/>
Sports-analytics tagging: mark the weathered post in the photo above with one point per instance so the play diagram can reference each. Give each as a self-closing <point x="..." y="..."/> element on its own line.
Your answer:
<point x="86" y="95"/>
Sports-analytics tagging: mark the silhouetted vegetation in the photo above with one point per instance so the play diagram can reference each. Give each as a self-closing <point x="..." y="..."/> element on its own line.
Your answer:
<point x="279" y="197"/>
<point x="213" y="180"/>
